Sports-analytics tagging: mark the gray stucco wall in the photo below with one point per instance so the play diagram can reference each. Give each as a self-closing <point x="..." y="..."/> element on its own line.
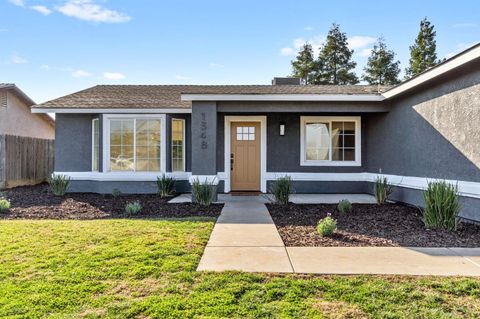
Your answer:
<point x="204" y="138"/>
<point x="73" y="142"/>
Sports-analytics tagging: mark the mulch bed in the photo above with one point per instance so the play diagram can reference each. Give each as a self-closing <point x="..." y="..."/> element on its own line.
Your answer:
<point x="367" y="225"/>
<point x="37" y="202"/>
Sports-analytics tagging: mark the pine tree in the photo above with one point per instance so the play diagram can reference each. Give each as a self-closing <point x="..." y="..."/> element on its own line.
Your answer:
<point x="381" y="67"/>
<point x="304" y="64"/>
<point x="334" y="62"/>
<point x="423" y="53"/>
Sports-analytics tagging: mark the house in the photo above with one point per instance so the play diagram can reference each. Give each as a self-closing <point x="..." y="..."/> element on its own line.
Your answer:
<point x="26" y="140"/>
<point x="329" y="139"/>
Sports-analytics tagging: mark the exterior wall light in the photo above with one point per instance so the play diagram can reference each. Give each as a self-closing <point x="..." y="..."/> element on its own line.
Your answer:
<point x="282" y="129"/>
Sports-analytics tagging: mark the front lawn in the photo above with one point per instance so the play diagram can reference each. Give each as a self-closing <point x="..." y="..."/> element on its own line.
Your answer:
<point x="146" y="269"/>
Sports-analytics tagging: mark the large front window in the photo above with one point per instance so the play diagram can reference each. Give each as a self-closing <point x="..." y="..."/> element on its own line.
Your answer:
<point x="135" y="144"/>
<point x="331" y="141"/>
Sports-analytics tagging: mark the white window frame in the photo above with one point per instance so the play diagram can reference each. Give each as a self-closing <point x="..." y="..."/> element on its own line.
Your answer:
<point x="183" y="144"/>
<point x="106" y="141"/>
<point x="329" y="119"/>
<point x="93" y="143"/>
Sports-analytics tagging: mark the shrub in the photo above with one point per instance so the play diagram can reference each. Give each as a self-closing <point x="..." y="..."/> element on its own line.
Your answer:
<point x="116" y="192"/>
<point x="133" y="208"/>
<point x="344" y="206"/>
<point x="441" y="205"/>
<point x="165" y="186"/>
<point x="382" y="190"/>
<point x="203" y="193"/>
<point x="4" y="205"/>
<point x="327" y="226"/>
<point x="58" y="184"/>
<point x="281" y="190"/>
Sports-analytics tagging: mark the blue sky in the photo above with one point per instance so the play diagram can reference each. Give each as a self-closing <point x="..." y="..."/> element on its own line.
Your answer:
<point x="52" y="48"/>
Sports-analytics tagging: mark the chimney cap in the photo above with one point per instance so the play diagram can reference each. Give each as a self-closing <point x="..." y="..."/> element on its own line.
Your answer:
<point x="286" y="81"/>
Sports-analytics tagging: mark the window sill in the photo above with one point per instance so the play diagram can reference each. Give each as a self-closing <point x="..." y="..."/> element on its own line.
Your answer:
<point x="331" y="163"/>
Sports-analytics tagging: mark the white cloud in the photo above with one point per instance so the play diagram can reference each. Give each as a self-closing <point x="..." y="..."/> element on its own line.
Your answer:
<point x="15" y="59"/>
<point x="89" y="11"/>
<point x="459" y="48"/>
<point x="216" y="65"/>
<point x="465" y="25"/>
<point x="359" y="42"/>
<point x="182" y="77"/>
<point x="42" y="9"/>
<point x="365" y="52"/>
<point x="287" y="51"/>
<point x="81" y="74"/>
<point x="308" y="28"/>
<point x="114" y="76"/>
<point x="19" y="3"/>
<point x="45" y="67"/>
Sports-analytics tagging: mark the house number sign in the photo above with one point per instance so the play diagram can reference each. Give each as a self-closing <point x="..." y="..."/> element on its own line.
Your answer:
<point x="203" y="134"/>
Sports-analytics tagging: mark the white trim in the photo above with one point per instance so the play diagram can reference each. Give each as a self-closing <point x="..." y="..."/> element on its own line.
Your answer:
<point x="465" y="188"/>
<point x="282" y="97"/>
<point x="454" y="62"/>
<point x="123" y="176"/>
<point x="183" y="142"/>
<point x="211" y="179"/>
<point x="263" y="148"/>
<point x="93" y="143"/>
<point x="330" y="119"/>
<point x="106" y="139"/>
<point x="111" y="111"/>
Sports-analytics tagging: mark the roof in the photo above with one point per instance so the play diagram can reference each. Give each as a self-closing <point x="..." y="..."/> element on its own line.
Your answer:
<point x="29" y="102"/>
<point x="169" y="96"/>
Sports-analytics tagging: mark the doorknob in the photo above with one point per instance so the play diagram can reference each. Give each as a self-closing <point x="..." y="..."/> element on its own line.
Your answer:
<point x="231" y="161"/>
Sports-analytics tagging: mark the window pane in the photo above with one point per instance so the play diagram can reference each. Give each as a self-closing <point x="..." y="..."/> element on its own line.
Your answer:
<point x="95" y="146"/>
<point x="349" y="141"/>
<point x="121" y="145"/>
<point x="178" y="144"/>
<point x="317" y="141"/>
<point x="147" y="145"/>
<point x="349" y="154"/>
<point x="337" y="154"/>
<point x="349" y="127"/>
<point x="343" y="137"/>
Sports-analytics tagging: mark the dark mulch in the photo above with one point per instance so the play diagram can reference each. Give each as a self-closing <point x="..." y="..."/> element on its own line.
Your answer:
<point x="37" y="202"/>
<point x="367" y="225"/>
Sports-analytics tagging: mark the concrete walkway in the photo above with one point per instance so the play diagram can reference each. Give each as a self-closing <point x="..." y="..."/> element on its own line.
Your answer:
<point x="246" y="239"/>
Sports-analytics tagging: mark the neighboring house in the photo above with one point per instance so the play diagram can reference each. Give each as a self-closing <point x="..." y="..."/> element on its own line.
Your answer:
<point x="329" y="139"/>
<point x="26" y="139"/>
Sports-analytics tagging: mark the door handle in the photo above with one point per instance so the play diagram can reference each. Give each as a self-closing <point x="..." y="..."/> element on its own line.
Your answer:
<point x="231" y="161"/>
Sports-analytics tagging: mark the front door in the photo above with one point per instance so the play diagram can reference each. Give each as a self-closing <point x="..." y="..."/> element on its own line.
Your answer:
<point x="245" y="156"/>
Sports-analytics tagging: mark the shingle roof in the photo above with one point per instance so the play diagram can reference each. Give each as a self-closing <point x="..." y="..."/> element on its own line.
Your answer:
<point x="168" y="96"/>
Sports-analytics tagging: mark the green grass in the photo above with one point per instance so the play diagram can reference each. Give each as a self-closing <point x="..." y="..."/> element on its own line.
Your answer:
<point x="146" y="269"/>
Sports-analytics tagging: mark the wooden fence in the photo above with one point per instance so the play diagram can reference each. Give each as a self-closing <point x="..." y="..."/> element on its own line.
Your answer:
<point x="25" y="160"/>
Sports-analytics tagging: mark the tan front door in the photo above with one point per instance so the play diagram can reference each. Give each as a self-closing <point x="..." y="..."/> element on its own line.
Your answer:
<point x="245" y="156"/>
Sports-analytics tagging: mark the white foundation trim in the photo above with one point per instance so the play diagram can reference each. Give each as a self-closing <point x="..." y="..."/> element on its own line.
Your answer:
<point x="465" y="188"/>
<point x="282" y="97"/>
<point x="210" y="179"/>
<point x="263" y="148"/>
<point x="111" y="111"/>
<point x="122" y="176"/>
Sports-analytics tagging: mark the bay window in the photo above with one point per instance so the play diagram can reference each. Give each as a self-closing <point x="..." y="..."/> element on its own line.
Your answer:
<point x="135" y="143"/>
<point x="330" y="141"/>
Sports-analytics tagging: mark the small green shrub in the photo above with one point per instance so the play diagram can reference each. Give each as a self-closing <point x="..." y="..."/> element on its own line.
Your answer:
<point x="133" y="208"/>
<point x="203" y="193"/>
<point x="4" y="205"/>
<point x="165" y="186"/>
<point x="344" y="206"/>
<point x="281" y="190"/>
<point x="441" y="205"/>
<point x="382" y="190"/>
<point x="116" y="192"/>
<point x="327" y="226"/>
<point x="58" y="184"/>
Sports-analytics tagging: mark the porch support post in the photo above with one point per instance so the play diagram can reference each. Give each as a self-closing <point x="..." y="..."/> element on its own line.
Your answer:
<point x="204" y="140"/>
